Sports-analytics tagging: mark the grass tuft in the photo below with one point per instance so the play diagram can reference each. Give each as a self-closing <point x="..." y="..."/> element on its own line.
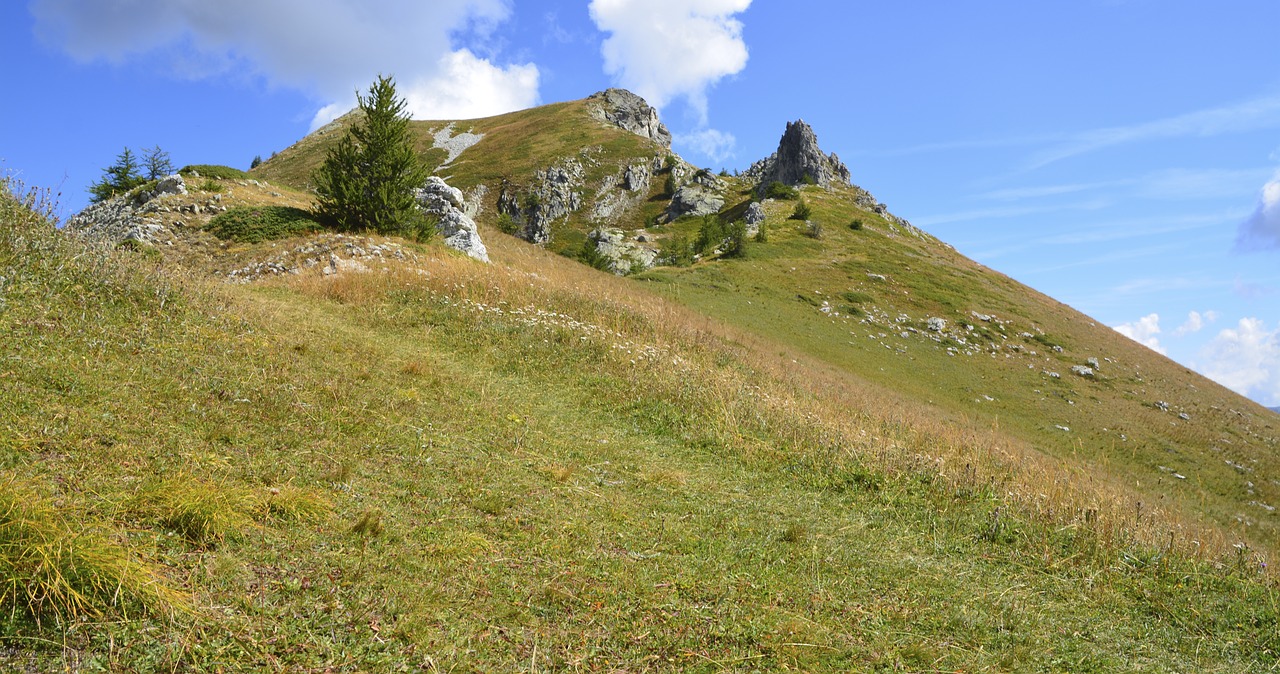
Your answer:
<point x="55" y="571"/>
<point x="203" y="513"/>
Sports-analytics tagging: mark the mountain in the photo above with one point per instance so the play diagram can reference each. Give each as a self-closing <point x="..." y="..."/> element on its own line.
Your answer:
<point x="239" y="441"/>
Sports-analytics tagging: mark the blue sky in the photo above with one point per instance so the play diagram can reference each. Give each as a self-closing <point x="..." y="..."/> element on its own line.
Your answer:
<point x="1122" y="156"/>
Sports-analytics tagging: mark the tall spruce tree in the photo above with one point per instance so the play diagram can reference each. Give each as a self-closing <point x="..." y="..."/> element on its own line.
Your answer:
<point x="367" y="179"/>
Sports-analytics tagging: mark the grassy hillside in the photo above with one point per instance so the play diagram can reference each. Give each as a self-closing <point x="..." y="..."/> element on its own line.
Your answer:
<point x="446" y="466"/>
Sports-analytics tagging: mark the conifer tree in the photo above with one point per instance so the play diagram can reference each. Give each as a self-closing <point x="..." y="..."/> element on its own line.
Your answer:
<point x="367" y="180"/>
<point x="118" y="178"/>
<point x="157" y="163"/>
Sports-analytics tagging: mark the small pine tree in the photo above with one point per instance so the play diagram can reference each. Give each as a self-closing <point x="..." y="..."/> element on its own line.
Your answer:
<point x="735" y="239"/>
<point x="157" y="163"/>
<point x="367" y="179"/>
<point x="257" y="161"/>
<point x="676" y="251"/>
<point x="801" y="211"/>
<point x="118" y="178"/>
<point x="762" y="234"/>
<point x="590" y="255"/>
<point x="710" y="235"/>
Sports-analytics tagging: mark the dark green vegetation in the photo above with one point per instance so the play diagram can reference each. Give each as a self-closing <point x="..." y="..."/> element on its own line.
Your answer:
<point x="368" y="176"/>
<point x="732" y="465"/>
<point x="213" y="171"/>
<point x="129" y="172"/>
<point x="253" y="224"/>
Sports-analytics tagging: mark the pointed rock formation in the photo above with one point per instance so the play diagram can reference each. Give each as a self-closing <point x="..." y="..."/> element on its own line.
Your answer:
<point x="799" y="160"/>
<point x="628" y="111"/>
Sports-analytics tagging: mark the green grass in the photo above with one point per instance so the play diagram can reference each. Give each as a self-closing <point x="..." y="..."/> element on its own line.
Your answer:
<point x="254" y="224"/>
<point x="399" y="471"/>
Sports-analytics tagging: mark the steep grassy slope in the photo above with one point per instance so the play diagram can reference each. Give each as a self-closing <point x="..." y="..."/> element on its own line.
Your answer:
<point x="451" y="466"/>
<point x="860" y="299"/>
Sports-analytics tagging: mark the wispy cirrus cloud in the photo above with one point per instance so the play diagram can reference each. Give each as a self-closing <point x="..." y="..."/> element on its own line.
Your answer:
<point x="1251" y="115"/>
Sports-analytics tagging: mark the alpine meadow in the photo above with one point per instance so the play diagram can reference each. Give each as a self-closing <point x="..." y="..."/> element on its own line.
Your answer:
<point x="567" y="402"/>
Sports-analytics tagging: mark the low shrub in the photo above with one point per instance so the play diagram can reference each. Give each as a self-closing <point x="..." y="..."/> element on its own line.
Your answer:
<point x="253" y="224"/>
<point x="214" y="171"/>
<point x="779" y="190"/>
<point x="802" y="211"/>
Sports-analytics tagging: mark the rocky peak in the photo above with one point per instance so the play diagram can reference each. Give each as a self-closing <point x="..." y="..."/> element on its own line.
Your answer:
<point x="628" y="111"/>
<point x="799" y="159"/>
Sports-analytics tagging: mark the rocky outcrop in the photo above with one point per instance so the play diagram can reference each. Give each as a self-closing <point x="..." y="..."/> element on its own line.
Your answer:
<point x="630" y="112"/>
<point x="554" y="195"/>
<point x="701" y="196"/>
<point x="693" y="200"/>
<point x="624" y="255"/>
<point x="129" y="217"/>
<point x="799" y="160"/>
<point x="437" y="198"/>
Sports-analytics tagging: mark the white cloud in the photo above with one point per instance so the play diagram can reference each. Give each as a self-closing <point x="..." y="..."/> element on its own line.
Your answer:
<point x="326" y="48"/>
<point x="1262" y="230"/>
<point x="1143" y="331"/>
<point x="1196" y="322"/>
<point x="712" y="143"/>
<point x="1245" y="359"/>
<point x="668" y="49"/>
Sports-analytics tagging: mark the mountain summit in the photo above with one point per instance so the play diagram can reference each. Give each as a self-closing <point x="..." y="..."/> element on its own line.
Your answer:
<point x="800" y="160"/>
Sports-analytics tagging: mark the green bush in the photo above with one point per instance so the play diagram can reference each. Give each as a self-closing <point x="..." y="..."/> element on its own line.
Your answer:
<point x="801" y="211"/>
<point x="762" y="234"/>
<point x="252" y="224"/>
<point x="856" y="225"/>
<point x="507" y="224"/>
<point x="813" y="230"/>
<point x="214" y="171"/>
<point x="676" y="251"/>
<point x="778" y="190"/>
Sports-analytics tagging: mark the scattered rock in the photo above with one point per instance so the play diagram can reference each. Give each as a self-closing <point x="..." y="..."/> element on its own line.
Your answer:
<point x="1162" y="406"/>
<point x="124" y="218"/>
<point x="936" y="324"/>
<point x="454" y="145"/>
<point x="1082" y="370"/>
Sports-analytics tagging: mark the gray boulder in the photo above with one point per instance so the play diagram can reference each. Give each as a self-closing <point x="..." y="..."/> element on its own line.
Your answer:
<point x="630" y="112"/>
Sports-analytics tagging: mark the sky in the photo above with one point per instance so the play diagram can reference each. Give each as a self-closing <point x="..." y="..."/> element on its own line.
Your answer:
<point x="1121" y="156"/>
